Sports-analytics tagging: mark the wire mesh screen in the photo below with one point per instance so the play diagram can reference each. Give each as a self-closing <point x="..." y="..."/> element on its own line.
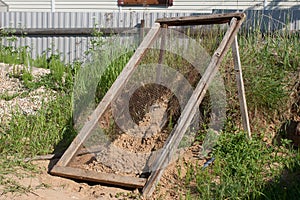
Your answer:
<point x="133" y="130"/>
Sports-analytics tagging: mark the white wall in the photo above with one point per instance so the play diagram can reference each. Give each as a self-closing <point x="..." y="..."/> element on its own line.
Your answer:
<point x="29" y="5"/>
<point x="3" y="6"/>
<point x="111" y="5"/>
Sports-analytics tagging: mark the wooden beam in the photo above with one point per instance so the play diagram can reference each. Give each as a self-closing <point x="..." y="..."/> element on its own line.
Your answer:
<point x="162" y="52"/>
<point x="201" y="19"/>
<point x="190" y="109"/>
<point x="240" y="86"/>
<point x="112" y="93"/>
<point x="107" y="178"/>
<point x="142" y="30"/>
<point x="61" y="32"/>
<point x="89" y="32"/>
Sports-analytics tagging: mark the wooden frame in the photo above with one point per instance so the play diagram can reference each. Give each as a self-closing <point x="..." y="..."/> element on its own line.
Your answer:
<point x="148" y="184"/>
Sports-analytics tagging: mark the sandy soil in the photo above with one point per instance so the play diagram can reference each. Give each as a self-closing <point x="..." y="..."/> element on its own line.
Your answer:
<point x="43" y="186"/>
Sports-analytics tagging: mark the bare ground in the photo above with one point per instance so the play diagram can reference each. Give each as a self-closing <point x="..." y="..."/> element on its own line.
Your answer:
<point x="43" y="186"/>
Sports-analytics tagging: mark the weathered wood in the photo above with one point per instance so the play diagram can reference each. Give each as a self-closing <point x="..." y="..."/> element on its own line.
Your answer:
<point x="142" y="30"/>
<point x="56" y="32"/>
<point x="88" y="32"/>
<point x="112" y="93"/>
<point x="190" y="109"/>
<point x="161" y="53"/>
<point x="107" y="178"/>
<point x="240" y="86"/>
<point x="201" y="19"/>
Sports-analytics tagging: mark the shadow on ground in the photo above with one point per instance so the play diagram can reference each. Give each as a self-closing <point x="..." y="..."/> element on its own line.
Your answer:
<point x="287" y="186"/>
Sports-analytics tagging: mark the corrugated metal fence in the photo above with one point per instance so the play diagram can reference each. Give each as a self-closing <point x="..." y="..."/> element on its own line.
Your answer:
<point x="73" y="47"/>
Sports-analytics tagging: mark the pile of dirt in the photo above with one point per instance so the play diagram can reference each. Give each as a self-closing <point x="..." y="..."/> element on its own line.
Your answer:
<point x="131" y="153"/>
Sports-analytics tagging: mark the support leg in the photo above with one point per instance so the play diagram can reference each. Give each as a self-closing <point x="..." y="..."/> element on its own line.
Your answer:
<point x="240" y="85"/>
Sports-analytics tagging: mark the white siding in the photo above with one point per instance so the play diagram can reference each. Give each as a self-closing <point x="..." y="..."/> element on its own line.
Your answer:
<point x="29" y="5"/>
<point x="3" y="6"/>
<point x="179" y="5"/>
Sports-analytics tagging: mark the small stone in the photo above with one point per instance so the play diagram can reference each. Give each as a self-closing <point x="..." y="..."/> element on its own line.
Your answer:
<point x="136" y="191"/>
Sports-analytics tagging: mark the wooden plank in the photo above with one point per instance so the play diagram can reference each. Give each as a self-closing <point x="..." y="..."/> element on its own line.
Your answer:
<point x="161" y="53"/>
<point x="201" y="20"/>
<point x="240" y="86"/>
<point x="142" y="30"/>
<point x="115" y="89"/>
<point x="48" y="32"/>
<point x="39" y="32"/>
<point x="190" y="109"/>
<point x="107" y="178"/>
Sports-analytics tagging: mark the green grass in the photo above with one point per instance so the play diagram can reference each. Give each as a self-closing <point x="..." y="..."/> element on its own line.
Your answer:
<point x="37" y="133"/>
<point x="49" y="130"/>
<point x="268" y="63"/>
<point x="110" y="75"/>
<point x="245" y="169"/>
